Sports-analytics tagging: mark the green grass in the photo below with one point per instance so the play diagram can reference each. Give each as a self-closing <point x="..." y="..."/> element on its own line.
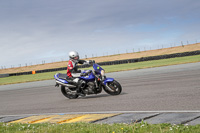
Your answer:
<point x="110" y="68"/>
<point x="98" y="128"/>
<point x="28" y="78"/>
<point x="154" y="63"/>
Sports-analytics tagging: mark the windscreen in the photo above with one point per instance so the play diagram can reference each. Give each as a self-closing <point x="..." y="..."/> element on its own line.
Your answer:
<point x="97" y="68"/>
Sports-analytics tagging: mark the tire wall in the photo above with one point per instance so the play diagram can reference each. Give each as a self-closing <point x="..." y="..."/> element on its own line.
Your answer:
<point x="116" y="62"/>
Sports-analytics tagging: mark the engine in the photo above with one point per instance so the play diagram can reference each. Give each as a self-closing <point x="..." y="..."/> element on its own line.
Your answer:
<point x="89" y="88"/>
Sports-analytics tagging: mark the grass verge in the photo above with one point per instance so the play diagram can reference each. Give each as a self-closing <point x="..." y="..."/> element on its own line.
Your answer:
<point x="110" y="68"/>
<point x="142" y="127"/>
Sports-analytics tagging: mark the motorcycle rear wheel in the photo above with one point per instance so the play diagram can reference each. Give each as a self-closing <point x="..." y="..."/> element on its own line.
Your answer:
<point x="115" y="86"/>
<point x="70" y="96"/>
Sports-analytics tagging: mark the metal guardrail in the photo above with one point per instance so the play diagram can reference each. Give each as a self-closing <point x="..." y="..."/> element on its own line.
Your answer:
<point x="4" y="75"/>
<point x="150" y="58"/>
<point x="116" y="62"/>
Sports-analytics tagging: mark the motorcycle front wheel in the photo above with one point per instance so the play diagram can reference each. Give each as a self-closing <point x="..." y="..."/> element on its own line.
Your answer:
<point x="113" y="88"/>
<point x="68" y="94"/>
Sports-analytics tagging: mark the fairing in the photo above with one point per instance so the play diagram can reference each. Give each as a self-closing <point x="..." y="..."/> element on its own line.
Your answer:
<point x="97" y="68"/>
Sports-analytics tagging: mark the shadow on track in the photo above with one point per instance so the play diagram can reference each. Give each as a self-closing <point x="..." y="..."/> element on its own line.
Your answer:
<point x="100" y="96"/>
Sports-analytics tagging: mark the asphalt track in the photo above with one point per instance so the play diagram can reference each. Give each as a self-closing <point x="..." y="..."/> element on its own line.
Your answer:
<point x="157" y="93"/>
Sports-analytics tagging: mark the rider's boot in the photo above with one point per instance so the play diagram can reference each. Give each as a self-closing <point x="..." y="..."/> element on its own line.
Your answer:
<point x="78" y="84"/>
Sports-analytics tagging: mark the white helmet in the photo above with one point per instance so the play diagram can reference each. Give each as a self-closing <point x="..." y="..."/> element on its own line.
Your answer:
<point x="73" y="55"/>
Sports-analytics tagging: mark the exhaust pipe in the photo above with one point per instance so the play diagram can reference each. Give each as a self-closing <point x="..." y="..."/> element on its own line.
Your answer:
<point x="63" y="84"/>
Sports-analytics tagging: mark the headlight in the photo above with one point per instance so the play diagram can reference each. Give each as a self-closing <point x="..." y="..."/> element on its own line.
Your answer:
<point x="102" y="73"/>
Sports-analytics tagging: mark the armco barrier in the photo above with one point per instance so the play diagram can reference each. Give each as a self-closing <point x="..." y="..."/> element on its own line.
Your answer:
<point x="4" y="75"/>
<point x="150" y="58"/>
<point x="112" y="62"/>
<point x="38" y="71"/>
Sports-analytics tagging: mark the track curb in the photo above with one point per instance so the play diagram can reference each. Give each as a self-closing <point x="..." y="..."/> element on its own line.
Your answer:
<point x="190" y="118"/>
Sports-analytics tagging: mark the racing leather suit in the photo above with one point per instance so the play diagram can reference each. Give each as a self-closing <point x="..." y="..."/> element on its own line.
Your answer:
<point x="72" y="67"/>
<point x="73" y="73"/>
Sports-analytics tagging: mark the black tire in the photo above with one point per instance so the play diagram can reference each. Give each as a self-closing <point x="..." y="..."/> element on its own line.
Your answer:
<point x="115" y="86"/>
<point x="70" y="96"/>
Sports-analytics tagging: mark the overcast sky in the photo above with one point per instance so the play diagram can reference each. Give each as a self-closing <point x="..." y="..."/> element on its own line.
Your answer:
<point x="35" y="30"/>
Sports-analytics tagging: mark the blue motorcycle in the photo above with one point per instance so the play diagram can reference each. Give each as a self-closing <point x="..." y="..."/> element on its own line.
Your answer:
<point x="92" y="82"/>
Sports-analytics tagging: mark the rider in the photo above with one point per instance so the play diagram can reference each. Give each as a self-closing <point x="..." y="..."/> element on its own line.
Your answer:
<point x="72" y="70"/>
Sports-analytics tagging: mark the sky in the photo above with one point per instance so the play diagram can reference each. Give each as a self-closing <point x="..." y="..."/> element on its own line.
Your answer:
<point x="34" y="31"/>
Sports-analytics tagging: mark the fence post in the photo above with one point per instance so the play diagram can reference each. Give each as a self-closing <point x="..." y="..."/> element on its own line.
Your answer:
<point x="182" y="43"/>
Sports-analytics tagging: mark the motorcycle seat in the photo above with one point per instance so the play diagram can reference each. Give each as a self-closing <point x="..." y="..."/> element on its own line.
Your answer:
<point x="65" y="77"/>
<point x="62" y="76"/>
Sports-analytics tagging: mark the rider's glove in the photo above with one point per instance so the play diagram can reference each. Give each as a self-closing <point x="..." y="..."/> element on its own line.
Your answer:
<point x="91" y="61"/>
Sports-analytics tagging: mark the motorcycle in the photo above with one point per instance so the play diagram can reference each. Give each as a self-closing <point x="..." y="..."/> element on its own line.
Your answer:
<point x="91" y="81"/>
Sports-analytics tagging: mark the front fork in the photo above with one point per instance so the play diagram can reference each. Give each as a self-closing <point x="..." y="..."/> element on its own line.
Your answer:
<point x="99" y="81"/>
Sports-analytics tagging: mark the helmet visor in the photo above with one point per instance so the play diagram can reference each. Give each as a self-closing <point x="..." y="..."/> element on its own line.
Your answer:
<point x="76" y="58"/>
